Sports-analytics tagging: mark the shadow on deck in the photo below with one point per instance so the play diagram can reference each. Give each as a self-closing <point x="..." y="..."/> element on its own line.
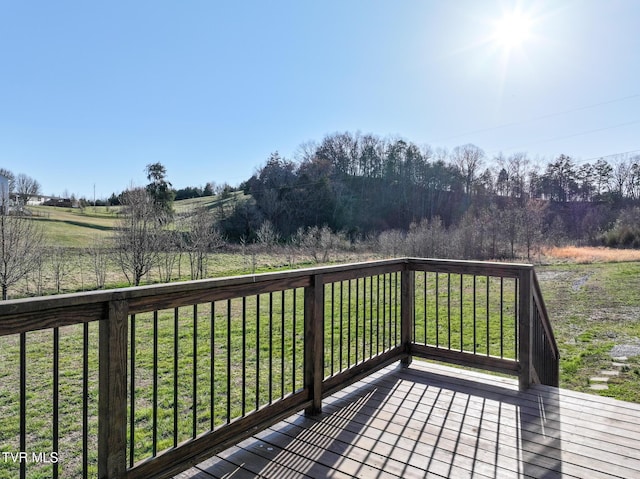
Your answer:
<point x="430" y="420"/>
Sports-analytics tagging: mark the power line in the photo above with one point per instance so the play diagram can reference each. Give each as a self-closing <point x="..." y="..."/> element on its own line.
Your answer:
<point x="543" y="117"/>
<point x="548" y="140"/>
<point x="602" y="157"/>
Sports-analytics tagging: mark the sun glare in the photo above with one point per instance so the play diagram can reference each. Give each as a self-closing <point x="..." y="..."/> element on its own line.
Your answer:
<point x="512" y="30"/>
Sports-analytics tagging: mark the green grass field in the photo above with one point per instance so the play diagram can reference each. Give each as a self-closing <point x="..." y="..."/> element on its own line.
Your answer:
<point x="74" y="228"/>
<point x="81" y="227"/>
<point x="594" y="309"/>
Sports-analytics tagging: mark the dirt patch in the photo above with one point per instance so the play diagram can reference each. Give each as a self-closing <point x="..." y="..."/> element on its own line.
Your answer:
<point x="619" y="314"/>
<point x="547" y="275"/>
<point x="577" y="284"/>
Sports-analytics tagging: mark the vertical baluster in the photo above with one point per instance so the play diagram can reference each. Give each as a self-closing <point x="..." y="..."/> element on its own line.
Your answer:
<point x="333" y="314"/>
<point x="392" y="308"/>
<point x="448" y="310"/>
<point x="488" y="335"/>
<point x="515" y="321"/>
<point x="348" y="324"/>
<point x="293" y="343"/>
<point x="85" y="402"/>
<point x="270" y="348"/>
<point x="415" y="319"/>
<point x="475" y="339"/>
<point x="154" y="431"/>
<point x="228" y="361"/>
<point x="378" y="314"/>
<point x="244" y="355"/>
<point x="23" y="401"/>
<point x="175" y="376"/>
<point x="371" y="316"/>
<point x="501" y="317"/>
<point x="282" y="354"/>
<point x="364" y="318"/>
<point x="212" y="373"/>
<point x="391" y="305"/>
<point x="437" y="310"/>
<point x="257" y="351"/>
<point x="132" y="392"/>
<point x="341" y="326"/>
<point x="397" y="300"/>
<point x="56" y="390"/>
<point x="461" y="312"/>
<point x="384" y="311"/>
<point x="194" y="407"/>
<point x="424" y="305"/>
<point x="357" y="318"/>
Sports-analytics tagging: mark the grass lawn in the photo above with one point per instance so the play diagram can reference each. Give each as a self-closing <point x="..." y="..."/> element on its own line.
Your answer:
<point x="594" y="308"/>
<point x="74" y="228"/>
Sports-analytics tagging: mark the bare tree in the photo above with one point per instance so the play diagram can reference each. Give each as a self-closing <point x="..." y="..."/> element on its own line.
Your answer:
<point x="468" y="158"/>
<point x="136" y="239"/>
<point x="620" y="174"/>
<point x="170" y="254"/>
<point x="512" y="174"/>
<point x="26" y="187"/>
<point x="201" y="237"/>
<point x="20" y="249"/>
<point x="267" y="235"/>
<point x="61" y="266"/>
<point x="532" y="222"/>
<point x="319" y="242"/>
<point x="99" y="262"/>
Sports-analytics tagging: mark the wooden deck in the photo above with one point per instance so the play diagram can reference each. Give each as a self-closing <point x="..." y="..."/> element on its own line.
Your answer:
<point x="431" y="420"/>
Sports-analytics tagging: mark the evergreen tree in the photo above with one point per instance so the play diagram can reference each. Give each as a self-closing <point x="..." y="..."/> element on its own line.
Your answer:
<point x="160" y="190"/>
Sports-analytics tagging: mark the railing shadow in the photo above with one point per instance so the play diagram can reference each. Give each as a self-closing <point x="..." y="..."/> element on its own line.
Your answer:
<point x="409" y="422"/>
<point x="541" y="433"/>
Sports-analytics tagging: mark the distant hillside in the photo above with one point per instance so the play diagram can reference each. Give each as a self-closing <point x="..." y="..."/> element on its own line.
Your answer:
<point x="80" y="227"/>
<point x="221" y="203"/>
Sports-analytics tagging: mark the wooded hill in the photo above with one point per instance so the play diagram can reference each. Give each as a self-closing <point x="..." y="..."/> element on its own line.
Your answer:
<point x="365" y="184"/>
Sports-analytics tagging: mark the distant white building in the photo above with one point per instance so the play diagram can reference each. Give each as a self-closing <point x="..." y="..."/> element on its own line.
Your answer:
<point x="4" y="194"/>
<point x="38" y="200"/>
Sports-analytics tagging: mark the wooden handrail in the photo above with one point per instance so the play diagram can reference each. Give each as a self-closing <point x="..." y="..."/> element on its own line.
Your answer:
<point x="546" y="324"/>
<point x="393" y="314"/>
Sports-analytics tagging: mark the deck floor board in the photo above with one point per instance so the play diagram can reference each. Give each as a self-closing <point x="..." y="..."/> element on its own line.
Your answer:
<point x="431" y="420"/>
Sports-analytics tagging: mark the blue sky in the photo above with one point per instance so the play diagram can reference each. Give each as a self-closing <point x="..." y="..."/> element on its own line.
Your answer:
<point x="91" y="92"/>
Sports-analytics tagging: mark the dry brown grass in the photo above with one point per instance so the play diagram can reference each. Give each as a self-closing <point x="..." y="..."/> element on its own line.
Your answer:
<point x="589" y="254"/>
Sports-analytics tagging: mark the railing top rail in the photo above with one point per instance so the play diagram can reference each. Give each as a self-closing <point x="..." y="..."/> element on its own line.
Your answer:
<point x="18" y="315"/>
<point x="544" y="315"/>
<point x="61" y="300"/>
<point x="490" y="268"/>
<point x="91" y="305"/>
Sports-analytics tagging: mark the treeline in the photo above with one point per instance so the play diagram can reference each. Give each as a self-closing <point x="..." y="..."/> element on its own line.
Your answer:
<point x="364" y="184"/>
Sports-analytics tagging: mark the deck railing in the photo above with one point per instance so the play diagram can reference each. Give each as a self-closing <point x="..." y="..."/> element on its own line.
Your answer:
<point x="144" y="382"/>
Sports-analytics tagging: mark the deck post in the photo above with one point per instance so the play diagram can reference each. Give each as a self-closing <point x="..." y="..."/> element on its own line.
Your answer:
<point x="525" y="336"/>
<point x="407" y="304"/>
<point x="314" y="342"/>
<point x="112" y="377"/>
